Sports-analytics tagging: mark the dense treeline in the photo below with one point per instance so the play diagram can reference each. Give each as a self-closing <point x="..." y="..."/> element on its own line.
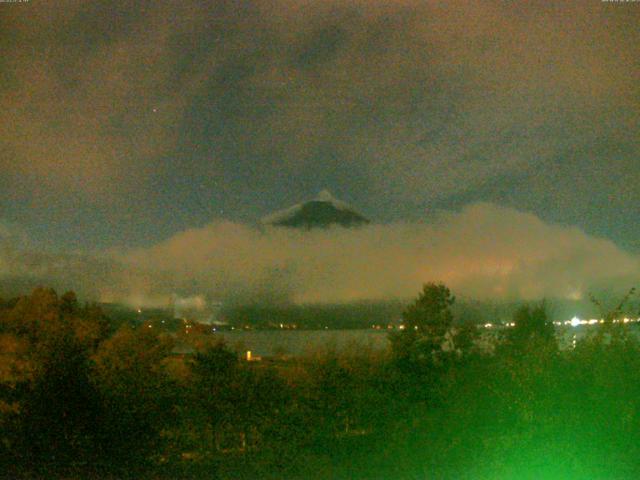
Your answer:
<point x="81" y="397"/>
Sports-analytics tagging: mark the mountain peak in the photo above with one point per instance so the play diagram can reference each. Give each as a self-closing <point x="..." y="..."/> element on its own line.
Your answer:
<point x="324" y="196"/>
<point x="323" y="211"/>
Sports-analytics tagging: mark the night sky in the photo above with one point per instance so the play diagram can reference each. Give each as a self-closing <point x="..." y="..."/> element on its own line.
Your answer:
<point x="124" y="125"/>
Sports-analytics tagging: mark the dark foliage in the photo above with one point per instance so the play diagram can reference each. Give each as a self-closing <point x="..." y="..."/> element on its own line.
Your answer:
<point x="80" y="400"/>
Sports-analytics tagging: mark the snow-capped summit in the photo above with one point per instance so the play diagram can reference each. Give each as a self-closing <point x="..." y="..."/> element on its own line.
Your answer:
<point x="325" y="196"/>
<point x="324" y="210"/>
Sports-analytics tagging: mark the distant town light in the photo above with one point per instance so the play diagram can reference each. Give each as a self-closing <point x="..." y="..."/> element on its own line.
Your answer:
<point x="575" y="321"/>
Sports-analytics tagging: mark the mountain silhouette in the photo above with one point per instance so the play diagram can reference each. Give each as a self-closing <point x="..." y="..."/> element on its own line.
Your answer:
<point x="321" y="212"/>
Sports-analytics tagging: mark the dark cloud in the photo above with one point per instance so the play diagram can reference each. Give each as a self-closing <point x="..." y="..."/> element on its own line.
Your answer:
<point x="155" y="116"/>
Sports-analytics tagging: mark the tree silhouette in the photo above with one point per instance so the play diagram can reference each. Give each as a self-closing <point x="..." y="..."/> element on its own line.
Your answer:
<point x="426" y="321"/>
<point x="532" y="328"/>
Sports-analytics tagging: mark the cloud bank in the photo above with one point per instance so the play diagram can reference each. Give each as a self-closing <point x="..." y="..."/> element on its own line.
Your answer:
<point x="483" y="251"/>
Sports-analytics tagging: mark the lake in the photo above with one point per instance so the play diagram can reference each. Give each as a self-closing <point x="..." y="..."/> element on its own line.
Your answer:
<point x="299" y="342"/>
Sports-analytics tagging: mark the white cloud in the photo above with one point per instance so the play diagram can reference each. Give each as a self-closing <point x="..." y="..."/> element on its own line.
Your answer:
<point x="484" y="251"/>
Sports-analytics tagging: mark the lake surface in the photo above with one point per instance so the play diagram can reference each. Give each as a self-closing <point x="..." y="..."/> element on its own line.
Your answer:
<point x="299" y="342"/>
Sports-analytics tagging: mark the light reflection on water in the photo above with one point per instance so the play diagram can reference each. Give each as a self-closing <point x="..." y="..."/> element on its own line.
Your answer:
<point x="300" y="342"/>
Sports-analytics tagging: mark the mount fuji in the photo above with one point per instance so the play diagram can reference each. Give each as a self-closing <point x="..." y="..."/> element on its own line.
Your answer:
<point x="323" y="211"/>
